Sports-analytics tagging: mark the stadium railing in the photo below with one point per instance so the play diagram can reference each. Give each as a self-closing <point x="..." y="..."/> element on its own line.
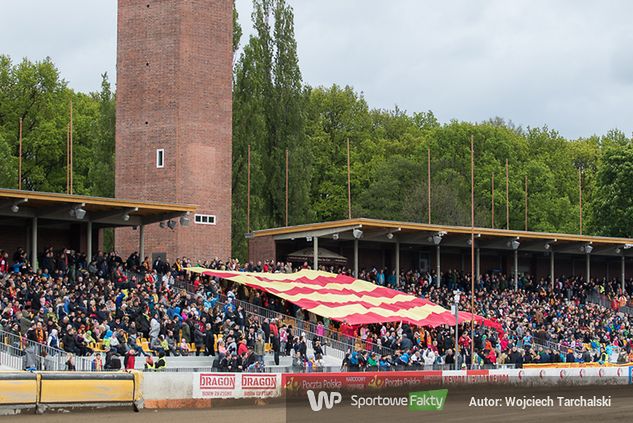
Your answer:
<point x="604" y="301"/>
<point x="334" y="369"/>
<point x="13" y="346"/>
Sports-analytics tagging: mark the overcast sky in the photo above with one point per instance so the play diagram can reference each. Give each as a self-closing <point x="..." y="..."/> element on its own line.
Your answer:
<point x="567" y="64"/>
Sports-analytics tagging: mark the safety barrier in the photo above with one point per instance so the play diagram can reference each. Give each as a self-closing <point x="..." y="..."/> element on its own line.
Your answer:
<point x="203" y="389"/>
<point x="18" y="389"/>
<point x="42" y="390"/>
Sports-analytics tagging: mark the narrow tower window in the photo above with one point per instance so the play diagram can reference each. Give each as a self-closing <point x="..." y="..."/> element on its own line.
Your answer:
<point x="160" y="158"/>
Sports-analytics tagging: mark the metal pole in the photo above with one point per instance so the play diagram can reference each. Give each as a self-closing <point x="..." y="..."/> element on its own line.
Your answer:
<point x="397" y="262"/>
<point x="141" y="242"/>
<point x="526" y="202"/>
<point x="428" y="181"/>
<point x="437" y="265"/>
<point x="70" y="154"/>
<point x="34" y="244"/>
<point x="492" y="201"/>
<point x="68" y="159"/>
<point x="349" y="184"/>
<point x="248" y="192"/>
<point x="286" y="187"/>
<point x="580" y="197"/>
<point x="551" y="268"/>
<point x="20" y="158"/>
<point x="516" y="270"/>
<point x="89" y="241"/>
<point x="507" y="195"/>
<point x="315" y="254"/>
<point x="355" y="257"/>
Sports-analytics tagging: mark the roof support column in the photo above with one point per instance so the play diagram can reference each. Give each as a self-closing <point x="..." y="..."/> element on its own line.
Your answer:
<point x="588" y="270"/>
<point x="551" y="269"/>
<point x="141" y="243"/>
<point x="89" y="241"/>
<point x="355" y="257"/>
<point x="437" y="265"/>
<point x="477" y="265"/>
<point x="397" y="262"/>
<point x="315" y="253"/>
<point x="516" y="270"/>
<point x="34" y="262"/>
<point x="623" y="271"/>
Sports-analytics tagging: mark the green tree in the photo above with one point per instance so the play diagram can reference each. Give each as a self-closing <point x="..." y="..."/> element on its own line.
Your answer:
<point x="269" y="115"/>
<point x="611" y="211"/>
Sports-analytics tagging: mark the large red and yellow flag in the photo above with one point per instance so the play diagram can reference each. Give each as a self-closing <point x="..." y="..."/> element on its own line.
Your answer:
<point x="346" y="299"/>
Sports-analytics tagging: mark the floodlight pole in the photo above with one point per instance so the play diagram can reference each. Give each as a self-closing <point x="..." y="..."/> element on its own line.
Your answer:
<point x="248" y="191"/>
<point x="286" y="187"/>
<point x="20" y="158"/>
<point x="507" y="195"/>
<point x="580" y="197"/>
<point x="428" y="182"/>
<point x="349" y="183"/>
<point x="492" y="201"/>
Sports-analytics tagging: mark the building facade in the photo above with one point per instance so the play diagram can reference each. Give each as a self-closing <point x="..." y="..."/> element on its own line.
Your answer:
<point x="173" y="121"/>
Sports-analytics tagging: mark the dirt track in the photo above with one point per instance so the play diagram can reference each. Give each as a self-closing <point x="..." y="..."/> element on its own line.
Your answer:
<point x="455" y="410"/>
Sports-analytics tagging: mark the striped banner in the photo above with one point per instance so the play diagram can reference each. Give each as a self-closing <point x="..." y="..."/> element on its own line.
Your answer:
<point x="346" y="299"/>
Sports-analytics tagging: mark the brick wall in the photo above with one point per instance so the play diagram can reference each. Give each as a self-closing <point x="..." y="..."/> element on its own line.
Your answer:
<point x="262" y="248"/>
<point x="174" y="64"/>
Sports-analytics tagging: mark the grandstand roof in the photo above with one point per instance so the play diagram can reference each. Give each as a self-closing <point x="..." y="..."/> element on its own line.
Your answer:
<point x="458" y="236"/>
<point x="103" y="212"/>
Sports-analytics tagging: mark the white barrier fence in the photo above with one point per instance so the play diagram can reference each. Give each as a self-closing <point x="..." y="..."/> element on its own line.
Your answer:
<point x="179" y="386"/>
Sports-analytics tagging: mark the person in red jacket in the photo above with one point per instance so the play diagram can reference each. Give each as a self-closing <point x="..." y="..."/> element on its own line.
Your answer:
<point x="130" y="359"/>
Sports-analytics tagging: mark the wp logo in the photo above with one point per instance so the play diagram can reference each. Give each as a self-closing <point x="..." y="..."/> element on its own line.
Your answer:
<point x="327" y="399"/>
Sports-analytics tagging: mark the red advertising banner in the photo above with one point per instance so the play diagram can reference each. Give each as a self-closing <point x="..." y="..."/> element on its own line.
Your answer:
<point x="360" y="380"/>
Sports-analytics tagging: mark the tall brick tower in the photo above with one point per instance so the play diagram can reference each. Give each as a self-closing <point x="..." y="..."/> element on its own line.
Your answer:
<point x="173" y="120"/>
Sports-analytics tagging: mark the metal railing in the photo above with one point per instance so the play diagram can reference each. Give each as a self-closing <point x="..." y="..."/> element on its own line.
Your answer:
<point x="15" y="347"/>
<point x="330" y="369"/>
<point x="604" y="301"/>
<point x="10" y="357"/>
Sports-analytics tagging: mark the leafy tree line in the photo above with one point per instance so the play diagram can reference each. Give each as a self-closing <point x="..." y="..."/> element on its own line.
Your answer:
<point x="275" y="111"/>
<point x="36" y="93"/>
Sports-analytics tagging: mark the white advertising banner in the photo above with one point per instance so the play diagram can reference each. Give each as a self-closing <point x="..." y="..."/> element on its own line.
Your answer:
<point x="236" y="385"/>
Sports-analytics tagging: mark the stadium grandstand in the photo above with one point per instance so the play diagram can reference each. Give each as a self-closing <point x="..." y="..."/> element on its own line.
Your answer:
<point x="105" y="312"/>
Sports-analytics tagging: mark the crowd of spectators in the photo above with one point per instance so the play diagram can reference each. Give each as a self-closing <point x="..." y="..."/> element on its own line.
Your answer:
<point x="118" y="310"/>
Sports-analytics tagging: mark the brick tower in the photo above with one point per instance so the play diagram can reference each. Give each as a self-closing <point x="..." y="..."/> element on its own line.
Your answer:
<point x="173" y="120"/>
